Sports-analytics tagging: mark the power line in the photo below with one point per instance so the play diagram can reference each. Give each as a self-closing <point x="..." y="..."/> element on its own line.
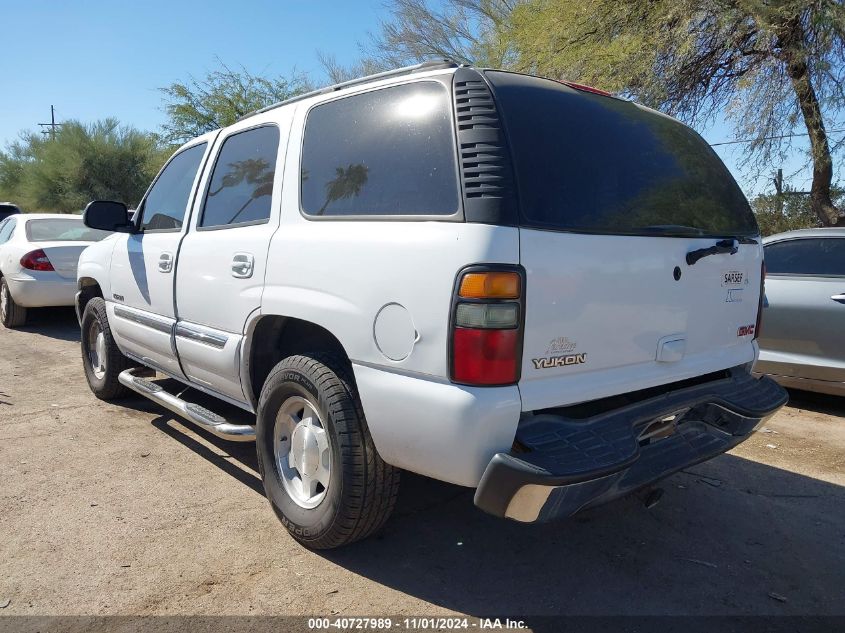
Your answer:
<point x="772" y="138"/>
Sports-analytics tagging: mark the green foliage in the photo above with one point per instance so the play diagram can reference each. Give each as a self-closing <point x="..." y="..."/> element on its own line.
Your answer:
<point x="220" y="98"/>
<point x="774" y="67"/>
<point x="787" y="212"/>
<point x="103" y="160"/>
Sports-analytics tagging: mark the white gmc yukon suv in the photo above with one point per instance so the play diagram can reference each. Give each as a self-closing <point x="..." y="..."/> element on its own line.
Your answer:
<point x="522" y="286"/>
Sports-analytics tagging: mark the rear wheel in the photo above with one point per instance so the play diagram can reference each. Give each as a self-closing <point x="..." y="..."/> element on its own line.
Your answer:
<point x="101" y="358"/>
<point x="322" y="474"/>
<point x="11" y="313"/>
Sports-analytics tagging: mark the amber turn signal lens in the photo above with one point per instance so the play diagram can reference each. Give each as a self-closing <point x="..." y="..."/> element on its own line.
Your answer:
<point x="490" y="286"/>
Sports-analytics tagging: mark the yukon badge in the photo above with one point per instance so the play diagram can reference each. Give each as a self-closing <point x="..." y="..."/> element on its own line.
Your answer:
<point x="560" y="353"/>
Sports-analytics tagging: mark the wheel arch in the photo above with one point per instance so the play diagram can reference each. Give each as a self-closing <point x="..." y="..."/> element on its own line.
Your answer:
<point x="271" y="337"/>
<point x="88" y="288"/>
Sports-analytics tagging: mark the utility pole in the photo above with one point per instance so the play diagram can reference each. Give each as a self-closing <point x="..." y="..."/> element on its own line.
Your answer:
<point x="52" y="124"/>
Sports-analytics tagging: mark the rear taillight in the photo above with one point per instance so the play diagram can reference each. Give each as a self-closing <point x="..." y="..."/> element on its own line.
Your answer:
<point x="762" y="300"/>
<point x="486" y="326"/>
<point x="36" y="260"/>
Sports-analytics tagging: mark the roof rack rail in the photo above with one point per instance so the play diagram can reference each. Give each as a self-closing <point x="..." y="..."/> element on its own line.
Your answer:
<point x="396" y="72"/>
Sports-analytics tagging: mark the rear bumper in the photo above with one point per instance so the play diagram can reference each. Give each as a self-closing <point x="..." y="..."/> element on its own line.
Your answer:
<point x="567" y="464"/>
<point x="41" y="289"/>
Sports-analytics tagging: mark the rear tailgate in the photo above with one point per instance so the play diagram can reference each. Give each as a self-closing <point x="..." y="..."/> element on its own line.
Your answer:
<point x="605" y="315"/>
<point x="612" y="198"/>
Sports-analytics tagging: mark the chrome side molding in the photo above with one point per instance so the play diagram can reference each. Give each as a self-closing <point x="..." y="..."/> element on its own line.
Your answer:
<point x="201" y="335"/>
<point x="144" y="319"/>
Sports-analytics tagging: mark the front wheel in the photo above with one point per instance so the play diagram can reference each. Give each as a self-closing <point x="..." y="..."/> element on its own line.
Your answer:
<point x="322" y="474"/>
<point x="101" y="358"/>
<point x="11" y="313"/>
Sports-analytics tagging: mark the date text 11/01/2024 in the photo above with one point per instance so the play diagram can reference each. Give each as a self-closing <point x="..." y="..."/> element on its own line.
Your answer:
<point x="413" y="624"/>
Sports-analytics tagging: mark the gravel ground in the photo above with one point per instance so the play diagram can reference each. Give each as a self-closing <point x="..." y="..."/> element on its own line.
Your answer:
<point x="123" y="509"/>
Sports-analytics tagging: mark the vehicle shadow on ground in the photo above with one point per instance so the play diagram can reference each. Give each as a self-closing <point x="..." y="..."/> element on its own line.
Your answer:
<point x="818" y="402"/>
<point x="727" y="534"/>
<point x="729" y="537"/>
<point x="57" y="323"/>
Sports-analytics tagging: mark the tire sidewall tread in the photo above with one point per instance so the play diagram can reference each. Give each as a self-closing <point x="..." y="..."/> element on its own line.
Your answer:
<point x="363" y="488"/>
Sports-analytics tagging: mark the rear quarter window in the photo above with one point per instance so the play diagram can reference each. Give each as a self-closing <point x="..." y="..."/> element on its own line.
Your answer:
<point x="388" y="152"/>
<point x="591" y="163"/>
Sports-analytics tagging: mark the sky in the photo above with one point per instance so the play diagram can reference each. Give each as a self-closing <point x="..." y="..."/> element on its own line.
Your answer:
<point x="94" y="59"/>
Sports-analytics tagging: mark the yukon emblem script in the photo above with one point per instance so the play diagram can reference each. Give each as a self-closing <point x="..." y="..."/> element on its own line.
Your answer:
<point x="560" y="355"/>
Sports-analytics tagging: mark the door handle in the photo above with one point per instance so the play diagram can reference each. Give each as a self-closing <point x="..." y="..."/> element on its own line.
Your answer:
<point x="242" y="265"/>
<point x="165" y="263"/>
<point x="839" y="298"/>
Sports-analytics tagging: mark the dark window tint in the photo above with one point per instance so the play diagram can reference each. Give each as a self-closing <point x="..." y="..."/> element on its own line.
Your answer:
<point x="590" y="163"/>
<point x="167" y="201"/>
<point x="242" y="182"/>
<point x="6" y="229"/>
<point x="61" y="230"/>
<point x="822" y="256"/>
<point x="386" y="152"/>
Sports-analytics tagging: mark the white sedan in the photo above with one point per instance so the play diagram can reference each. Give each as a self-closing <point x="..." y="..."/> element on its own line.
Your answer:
<point x="38" y="257"/>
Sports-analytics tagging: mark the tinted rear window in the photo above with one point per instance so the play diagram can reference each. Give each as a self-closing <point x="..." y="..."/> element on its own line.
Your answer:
<point x="590" y="163"/>
<point x="61" y="230"/>
<point x="385" y="152"/>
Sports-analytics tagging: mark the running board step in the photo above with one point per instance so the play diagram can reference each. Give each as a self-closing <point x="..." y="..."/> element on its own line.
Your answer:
<point x="202" y="417"/>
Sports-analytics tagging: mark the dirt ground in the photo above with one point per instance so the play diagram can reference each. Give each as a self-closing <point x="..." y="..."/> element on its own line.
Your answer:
<point x="122" y="509"/>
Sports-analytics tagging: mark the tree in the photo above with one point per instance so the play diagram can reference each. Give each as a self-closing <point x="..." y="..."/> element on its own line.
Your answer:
<point x="223" y="96"/>
<point x="466" y="31"/>
<point x="777" y="213"/>
<point x="771" y="65"/>
<point x="103" y="160"/>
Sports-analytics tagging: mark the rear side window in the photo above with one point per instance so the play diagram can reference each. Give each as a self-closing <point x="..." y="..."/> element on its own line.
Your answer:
<point x="591" y="163"/>
<point x="385" y="152"/>
<point x="241" y="185"/>
<point x="807" y="256"/>
<point x="166" y="203"/>
<point x="62" y="230"/>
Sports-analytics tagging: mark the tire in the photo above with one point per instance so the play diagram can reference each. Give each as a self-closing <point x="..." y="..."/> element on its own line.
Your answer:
<point x="11" y="313"/>
<point x="362" y="488"/>
<point x="102" y="379"/>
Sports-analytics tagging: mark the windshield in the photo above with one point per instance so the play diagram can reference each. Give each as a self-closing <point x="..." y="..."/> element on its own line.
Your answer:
<point x="596" y="164"/>
<point x="62" y="230"/>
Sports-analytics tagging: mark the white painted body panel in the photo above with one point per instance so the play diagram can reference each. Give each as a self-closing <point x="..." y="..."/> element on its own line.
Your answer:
<point x="449" y="432"/>
<point x="142" y="283"/>
<point x="208" y="294"/>
<point x="615" y="298"/>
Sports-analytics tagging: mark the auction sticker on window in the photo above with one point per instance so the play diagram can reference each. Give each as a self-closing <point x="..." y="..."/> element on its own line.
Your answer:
<point x="732" y="278"/>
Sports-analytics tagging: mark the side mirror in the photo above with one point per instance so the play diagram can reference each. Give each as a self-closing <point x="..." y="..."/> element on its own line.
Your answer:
<point x="107" y="216"/>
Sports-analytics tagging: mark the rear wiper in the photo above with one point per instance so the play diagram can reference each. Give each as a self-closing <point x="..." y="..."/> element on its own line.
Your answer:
<point x="720" y="247"/>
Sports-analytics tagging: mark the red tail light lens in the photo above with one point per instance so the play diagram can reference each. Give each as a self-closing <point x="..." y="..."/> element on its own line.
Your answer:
<point x="487" y="309"/>
<point x="485" y="357"/>
<point x="762" y="300"/>
<point x="36" y="260"/>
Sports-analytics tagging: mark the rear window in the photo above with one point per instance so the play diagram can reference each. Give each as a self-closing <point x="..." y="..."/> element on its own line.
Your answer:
<point x="596" y="164"/>
<point x="61" y="230"/>
<point x="384" y="152"/>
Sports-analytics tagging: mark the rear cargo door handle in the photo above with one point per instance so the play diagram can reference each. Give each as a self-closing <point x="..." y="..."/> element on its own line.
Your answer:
<point x="165" y="263"/>
<point x="839" y="298"/>
<point x="242" y="265"/>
